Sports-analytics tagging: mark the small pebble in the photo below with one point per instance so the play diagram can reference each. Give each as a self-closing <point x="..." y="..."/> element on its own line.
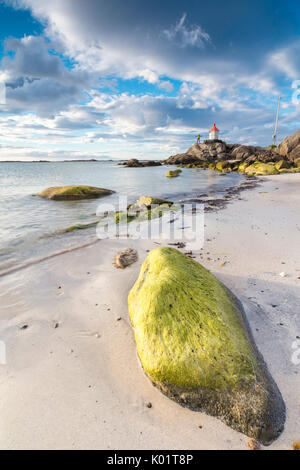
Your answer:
<point x="283" y="274"/>
<point x="149" y="405"/>
<point x="24" y="327"/>
<point x="120" y="318"/>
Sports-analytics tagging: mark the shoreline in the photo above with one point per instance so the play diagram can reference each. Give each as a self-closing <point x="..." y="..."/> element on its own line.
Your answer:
<point x="211" y="199"/>
<point x="75" y="363"/>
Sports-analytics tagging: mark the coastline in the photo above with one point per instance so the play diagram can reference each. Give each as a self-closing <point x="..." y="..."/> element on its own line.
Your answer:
<point x="75" y="363"/>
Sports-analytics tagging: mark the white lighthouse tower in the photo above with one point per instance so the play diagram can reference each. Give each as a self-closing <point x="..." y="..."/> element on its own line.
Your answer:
<point x="214" y="133"/>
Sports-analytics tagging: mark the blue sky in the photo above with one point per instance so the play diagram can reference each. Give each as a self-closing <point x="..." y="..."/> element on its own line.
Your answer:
<point x="98" y="79"/>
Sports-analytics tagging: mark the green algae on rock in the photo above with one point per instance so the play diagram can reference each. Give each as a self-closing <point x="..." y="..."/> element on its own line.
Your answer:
<point x="282" y="164"/>
<point x="194" y="344"/>
<point x="149" y="201"/>
<point x="242" y="167"/>
<point x="76" y="227"/>
<point x="72" y="193"/>
<point x="261" y="169"/>
<point x="173" y="173"/>
<point x="223" y="166"/>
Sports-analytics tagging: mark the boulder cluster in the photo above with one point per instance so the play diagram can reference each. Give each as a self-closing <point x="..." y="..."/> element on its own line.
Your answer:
<point x="221" y="156"/>
<point x="134" y="163"/>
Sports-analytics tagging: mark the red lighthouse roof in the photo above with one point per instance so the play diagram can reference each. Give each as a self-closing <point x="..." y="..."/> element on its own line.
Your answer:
<point x="214" y="128"/>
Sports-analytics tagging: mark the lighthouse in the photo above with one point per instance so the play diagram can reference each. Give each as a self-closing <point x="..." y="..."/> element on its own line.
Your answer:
<point x="214" y="133"/>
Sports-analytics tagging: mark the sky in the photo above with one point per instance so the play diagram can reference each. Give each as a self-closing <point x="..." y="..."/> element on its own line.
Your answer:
<point x="139" y="79"/>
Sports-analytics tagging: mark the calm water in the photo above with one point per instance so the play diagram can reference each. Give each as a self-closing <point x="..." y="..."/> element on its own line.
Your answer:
<point x="32" y="227"/>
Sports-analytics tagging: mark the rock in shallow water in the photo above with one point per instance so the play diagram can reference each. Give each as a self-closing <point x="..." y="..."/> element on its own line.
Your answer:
<point x="72" y="193"/>
<point x="173" y="174"/>
<point x="194" y="344"/>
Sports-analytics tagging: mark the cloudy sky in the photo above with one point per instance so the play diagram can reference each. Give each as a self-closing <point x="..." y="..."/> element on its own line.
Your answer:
<point x="134" y="78"/>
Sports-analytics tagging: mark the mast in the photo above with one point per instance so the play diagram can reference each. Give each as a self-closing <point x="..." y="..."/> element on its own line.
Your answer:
<point x="276" y="122"/>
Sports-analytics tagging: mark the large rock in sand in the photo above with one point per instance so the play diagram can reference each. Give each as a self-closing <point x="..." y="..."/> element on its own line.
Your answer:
<point x="261" y="169"/>
<point x="290" y="146"/>
<point x="194" y="344"/>
<point x="71" y="193"/>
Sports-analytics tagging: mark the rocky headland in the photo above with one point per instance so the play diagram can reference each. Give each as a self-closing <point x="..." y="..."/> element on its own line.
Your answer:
<point x="251" y="160"/>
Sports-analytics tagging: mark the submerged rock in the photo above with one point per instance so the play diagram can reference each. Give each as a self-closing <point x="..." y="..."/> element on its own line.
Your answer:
<point x="194" y="344"/>
<point x="69" y="193"/>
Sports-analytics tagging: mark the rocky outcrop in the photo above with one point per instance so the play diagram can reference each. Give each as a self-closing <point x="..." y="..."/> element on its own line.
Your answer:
<point x="201" y="152"/>
<point x="220" y="151"/>
<point x="194" y="344"/>
<point x="72" y="193"/>
<point x="261" y="169"/>
<point x="290" y="146"/>
<point x="134" y="163"/>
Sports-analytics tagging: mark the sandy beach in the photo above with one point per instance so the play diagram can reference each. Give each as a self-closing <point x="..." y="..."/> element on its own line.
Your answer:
<point x="72" y="378"/>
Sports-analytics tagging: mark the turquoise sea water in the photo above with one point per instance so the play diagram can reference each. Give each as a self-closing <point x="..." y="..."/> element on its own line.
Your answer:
<point x="31" y="227"/>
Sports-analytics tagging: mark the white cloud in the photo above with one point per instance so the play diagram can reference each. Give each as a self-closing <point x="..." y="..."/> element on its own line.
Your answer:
<point x="185" y="36"/>
<point x="105" y="42"/>
<point x="166" y="85"/>
<point x="287" y="60"/>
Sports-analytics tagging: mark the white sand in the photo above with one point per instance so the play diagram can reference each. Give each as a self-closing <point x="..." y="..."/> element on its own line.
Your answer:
<point x="80" y="385"/>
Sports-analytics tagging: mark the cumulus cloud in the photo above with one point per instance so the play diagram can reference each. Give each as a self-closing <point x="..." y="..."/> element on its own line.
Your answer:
<point x="226" y="67"/>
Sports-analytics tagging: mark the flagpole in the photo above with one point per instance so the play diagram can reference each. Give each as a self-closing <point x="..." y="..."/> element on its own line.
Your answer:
<point x="276" y="122"/>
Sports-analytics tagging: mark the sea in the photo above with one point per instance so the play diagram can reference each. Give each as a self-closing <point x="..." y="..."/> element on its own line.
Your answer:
<point x="32" y="228"/>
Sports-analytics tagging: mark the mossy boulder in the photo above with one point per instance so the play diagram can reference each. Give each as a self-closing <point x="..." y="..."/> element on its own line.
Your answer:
<point x="290" y="170"/>
<point x="297" y="162"/>
<point x="194" y="344"/>
<point x="261" y="169"/>
<point x="71" y="193"/>
<point x="149" y="201"/>
<point x="282" y="164"/>
<point x="223" y="166"/>
<point x="243" y="166"/>
<point x="173" y="173"/>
